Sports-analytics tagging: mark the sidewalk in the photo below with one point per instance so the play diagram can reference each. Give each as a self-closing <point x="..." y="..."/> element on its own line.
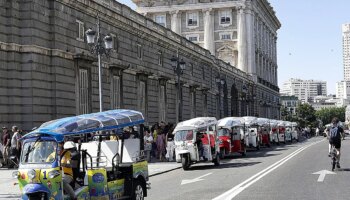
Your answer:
<point x="156" y="168"/>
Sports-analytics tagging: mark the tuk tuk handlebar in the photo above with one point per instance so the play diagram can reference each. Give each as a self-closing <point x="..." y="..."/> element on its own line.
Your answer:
<point x="84" y="155"/>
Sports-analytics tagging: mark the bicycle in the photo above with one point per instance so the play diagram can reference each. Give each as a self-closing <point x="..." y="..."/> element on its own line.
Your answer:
<point x="333" y="157"/>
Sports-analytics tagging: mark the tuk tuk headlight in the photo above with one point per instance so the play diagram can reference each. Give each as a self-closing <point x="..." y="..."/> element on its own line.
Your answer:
<point x="53" y="174"/>
<point x="228" y="141"/>
<point x="32" y="174"/>
<point x="15" y="174"/>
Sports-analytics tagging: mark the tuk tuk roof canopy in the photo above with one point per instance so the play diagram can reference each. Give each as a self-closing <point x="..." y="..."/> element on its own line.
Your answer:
<point x="195" y="123"/>
<point x="87" y="123"/>
<point x="230" y="122"/>
<point x="263" y="121"/>
<point x="250" y="121"/>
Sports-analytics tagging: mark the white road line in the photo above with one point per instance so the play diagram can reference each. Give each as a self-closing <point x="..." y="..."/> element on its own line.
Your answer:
<point x="242" y="186"/>
<point x="183" y="182"/>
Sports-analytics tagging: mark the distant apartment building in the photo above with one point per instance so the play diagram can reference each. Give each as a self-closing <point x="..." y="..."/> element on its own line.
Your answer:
<point x="290" y="102"/>
<point x="346" y="50"/>
<point x="305" y="90"/>
<point x="343" y="90"/>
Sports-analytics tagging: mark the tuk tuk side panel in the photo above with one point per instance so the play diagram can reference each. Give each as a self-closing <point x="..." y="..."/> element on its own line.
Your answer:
<point x="97" y="179"/>
<point x="53" y="186"/>
<point x="83" y="193"/>
<point x="116" y="189"/>
<point x="140" y="168"/>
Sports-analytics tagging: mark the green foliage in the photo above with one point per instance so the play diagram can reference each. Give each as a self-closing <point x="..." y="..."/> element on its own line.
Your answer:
<point x="326" y="114"/>
<point x="306" y="115"/>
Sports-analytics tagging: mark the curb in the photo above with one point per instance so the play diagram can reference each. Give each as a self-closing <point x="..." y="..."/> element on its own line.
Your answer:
<point x="163" y="172"/>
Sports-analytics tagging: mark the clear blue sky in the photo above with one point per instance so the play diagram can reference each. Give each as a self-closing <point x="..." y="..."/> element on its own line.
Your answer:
<point x="309" y="41"/>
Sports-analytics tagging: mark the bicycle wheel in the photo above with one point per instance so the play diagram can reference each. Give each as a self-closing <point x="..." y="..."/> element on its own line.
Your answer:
<point x="333" y="164"/>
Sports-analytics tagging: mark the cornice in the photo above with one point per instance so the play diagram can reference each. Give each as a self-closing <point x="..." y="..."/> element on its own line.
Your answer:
<point x="185" y="7"/>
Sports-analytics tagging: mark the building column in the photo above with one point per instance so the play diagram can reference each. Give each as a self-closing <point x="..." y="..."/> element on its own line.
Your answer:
<point x="242" y="41"/>
<point x="250" y="43"/>
<point x="175" y="21"/>
<point x="209" y="30"/>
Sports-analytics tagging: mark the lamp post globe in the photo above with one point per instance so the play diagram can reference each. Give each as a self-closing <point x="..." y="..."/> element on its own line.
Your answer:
<point x="90" y="36"/>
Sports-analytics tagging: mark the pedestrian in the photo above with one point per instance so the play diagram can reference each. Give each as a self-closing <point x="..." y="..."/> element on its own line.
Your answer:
<point x="317" y="132"/>
<point x="148" y="140"/>
<point x="154" y="131"/>
<point x="170" y="149"/>
<point x="15" y="142"/>
<point x="161" y="146"/>
<point x="6" y="139"/>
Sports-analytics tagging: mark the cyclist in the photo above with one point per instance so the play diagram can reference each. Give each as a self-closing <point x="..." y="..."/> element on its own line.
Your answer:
<point x="335" y="134"/>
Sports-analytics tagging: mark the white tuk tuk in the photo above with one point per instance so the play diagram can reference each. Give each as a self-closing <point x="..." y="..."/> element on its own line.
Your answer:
<point x="295" y="135"/>
<point x="281" y="131"/>
<point x="196" y="141"/>
<point x="251" y="131"/>
<point x="288" y="132"/>
<point x="274" y="131"/>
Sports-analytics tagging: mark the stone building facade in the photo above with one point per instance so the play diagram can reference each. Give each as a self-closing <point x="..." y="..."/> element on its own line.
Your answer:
<point x="48" y="72"/>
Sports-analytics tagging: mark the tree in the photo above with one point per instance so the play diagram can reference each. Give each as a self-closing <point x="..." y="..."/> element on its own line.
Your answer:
<point x="326" y="114"/>
<point x="306" y="115"/>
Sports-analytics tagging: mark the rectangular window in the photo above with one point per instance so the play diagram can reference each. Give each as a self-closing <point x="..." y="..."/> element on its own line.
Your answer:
<point x="115" y="41"/>
<point x="142" y="97"/>
<point x="162" y="103"/>
<point x="193" y="104"/>
<point x="205" y="104"/>
<point x="192" y="19"/>
<point x="84" y="94"/>
<point x="225" y="17"/>
<point x="160" y="19"/>
<point x="160" y="58"/>
<point x="225" y="36"/>
<point x="80" y="30"/>
<point x="139" y="51"/>
<point x="193" y="38"/>
<point x="115" y="96"/>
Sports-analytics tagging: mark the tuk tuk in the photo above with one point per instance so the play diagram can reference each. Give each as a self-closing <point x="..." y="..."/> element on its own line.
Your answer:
<point x="251" y="131"/>
<point x="281" y="131"/>
<point x="231" y="136"/>
<point x="105" y="169"/>
<point x="295" y="134"/>
<point x="264" y="131"/>
<point x="196" y="141"/>
<point x="288" y="132"/>
<point x="274" y="132"/>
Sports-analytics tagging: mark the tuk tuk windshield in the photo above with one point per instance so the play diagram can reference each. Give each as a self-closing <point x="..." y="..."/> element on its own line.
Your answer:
<point x="184" y="135"/>
<point x="39" y="152"/>
<point x="223" y="132"/>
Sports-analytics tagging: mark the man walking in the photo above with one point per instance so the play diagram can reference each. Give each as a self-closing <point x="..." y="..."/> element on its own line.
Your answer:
<point x="15" y="142"/>
<point x="6" y="139"/>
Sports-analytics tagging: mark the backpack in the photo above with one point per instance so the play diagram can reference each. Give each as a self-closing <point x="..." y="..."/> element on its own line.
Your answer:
<point x="334" y="134"/>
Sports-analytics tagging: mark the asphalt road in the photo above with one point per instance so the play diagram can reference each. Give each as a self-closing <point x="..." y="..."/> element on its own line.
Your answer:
<point x="278" y="173"/>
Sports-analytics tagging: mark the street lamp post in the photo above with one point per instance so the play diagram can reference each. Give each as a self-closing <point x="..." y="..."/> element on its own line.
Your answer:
<point x="179" y="66"/>
<point x="97" y="47"/>
<point x="220" y="83"/>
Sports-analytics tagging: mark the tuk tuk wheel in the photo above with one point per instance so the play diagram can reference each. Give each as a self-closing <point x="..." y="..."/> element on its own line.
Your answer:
<point x="244" y="153"/>
<point x="217" y="159"/>
<point x="138" y="191"/>
<point x="185" y="162"/>
<point x="222" y="153"/>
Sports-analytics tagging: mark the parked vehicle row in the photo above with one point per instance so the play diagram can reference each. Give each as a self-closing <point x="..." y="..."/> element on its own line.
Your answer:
<point x="205" y="139"/>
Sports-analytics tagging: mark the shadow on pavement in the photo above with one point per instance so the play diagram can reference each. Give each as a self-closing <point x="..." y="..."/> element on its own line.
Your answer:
<point x="223" y="166"/>
<point x="344" y="170"/>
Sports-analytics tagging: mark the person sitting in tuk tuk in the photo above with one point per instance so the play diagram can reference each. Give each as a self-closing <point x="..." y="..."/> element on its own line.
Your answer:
<point x="66" y="163"/>
<point x="200" y="144"/>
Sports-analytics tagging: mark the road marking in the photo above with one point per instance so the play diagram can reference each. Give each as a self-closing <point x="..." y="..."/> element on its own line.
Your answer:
<point x="322" y="175"/>
<point x="183" y="182"/>
<point x="228" y="195"/>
